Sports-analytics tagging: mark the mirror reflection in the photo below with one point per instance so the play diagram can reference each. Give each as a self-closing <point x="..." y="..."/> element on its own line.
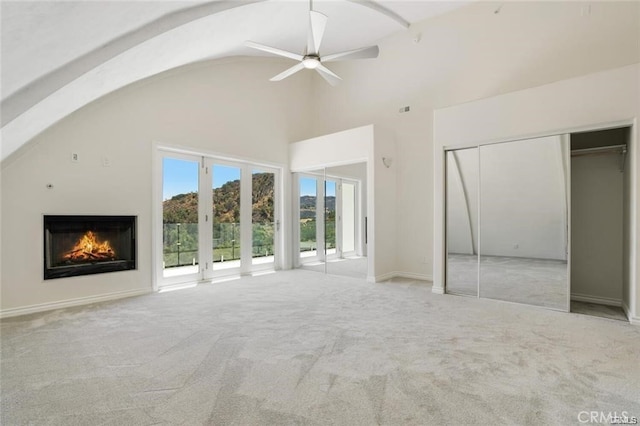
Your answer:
<point x="462" y="221"/>
<point x="310" y="231"/>
<point x="345" y="205"/>
<point x="523" y="222"/>
<point x="332" y="212"/>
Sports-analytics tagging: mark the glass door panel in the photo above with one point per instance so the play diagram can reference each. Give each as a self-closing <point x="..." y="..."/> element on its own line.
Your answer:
<point x="226" y="250"/>
<point x="330" y="190"/>
<point x="180" y="217"/>
<point x="462" y="221"/>
<point x="218" y="218"/>
<point x="524" y="249"/>
<point x="348" y="217"/>
<point x="263" y="220"/>
<point x="308" y="200"/>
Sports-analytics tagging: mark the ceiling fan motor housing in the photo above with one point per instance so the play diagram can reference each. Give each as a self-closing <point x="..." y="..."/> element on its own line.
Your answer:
<point x="311" y="61"/>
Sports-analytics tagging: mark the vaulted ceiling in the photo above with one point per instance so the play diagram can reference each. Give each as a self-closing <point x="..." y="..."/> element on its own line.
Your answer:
<point x="59" y="56"/>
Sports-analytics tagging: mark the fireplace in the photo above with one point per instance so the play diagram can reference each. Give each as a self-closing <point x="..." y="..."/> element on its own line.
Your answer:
<point x="83" y="245"/>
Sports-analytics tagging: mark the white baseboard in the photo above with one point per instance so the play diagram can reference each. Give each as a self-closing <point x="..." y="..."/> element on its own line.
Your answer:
<point x="42" y="307"/>
<point x="596" y="299"/>
<point x="414" y="276"/>
<point x="384" y="277"/>
<point x="633" y="320"/>
<point x="437" y="290"/>
<point x="401" y="274"/>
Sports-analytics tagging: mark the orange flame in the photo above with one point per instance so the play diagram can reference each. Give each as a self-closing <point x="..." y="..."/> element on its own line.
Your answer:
<point x="89" y="248"/>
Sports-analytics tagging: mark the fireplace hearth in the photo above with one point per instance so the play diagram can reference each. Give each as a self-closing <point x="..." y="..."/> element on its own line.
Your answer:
<point x="84" y="245"/>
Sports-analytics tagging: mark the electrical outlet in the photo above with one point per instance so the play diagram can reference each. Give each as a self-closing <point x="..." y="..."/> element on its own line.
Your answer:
<point x="106" y="162"/>
<point x="75" y="157"/>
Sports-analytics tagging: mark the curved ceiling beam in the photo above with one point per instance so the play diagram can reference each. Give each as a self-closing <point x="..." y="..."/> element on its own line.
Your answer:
<point x="49" y="99"/>
<point x="36" y="91"/>
<point x="374" y="5"/>
<point x="29" y="95"/>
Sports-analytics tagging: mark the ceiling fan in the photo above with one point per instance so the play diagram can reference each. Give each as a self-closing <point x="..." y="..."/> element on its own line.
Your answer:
<point x="311" y="58"/>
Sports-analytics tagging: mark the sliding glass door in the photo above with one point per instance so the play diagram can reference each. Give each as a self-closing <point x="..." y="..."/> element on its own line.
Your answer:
<point x="310" y="237"/>
<point x="330" y="217"/>
<point x="330" y="220"/>
<point x="226" y="206"/>
<point x="219" y="218"/>
<point x="348" y="217"/>
<point x="264" y="222"/>
<point x="180" y="223"/>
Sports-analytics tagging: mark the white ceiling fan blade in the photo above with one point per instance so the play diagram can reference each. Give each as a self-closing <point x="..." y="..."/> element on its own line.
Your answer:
<point x="317" y="25"/>
<point x="286" y="73"/>
<point x="362" y="53"/>
<point x="273" y="50"/>
<point x="328" y="75"/>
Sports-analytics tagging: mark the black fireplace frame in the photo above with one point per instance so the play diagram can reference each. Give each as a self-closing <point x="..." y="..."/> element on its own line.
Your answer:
<point x="50" y="272"/>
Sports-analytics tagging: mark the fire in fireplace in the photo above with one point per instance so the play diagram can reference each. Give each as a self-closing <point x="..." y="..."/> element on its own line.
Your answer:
<point x="82" y="245"/>
<point x="89" y="249"/>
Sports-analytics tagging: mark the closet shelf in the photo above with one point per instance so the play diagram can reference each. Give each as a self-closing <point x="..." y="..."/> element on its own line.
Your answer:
<point x="601" y="150"/>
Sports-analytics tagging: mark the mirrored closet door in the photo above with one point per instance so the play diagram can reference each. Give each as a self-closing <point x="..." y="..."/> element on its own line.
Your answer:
<point x="462" y="221"/>
<point x="331" y="210"/>
<point x="508" y="221"/>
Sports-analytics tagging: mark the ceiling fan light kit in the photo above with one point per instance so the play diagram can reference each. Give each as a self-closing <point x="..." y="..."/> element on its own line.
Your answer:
<point x="311" y="59"/>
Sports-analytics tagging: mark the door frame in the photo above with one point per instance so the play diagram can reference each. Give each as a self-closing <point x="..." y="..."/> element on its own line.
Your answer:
<point x="159" y="280"/>
<point x="161" y="151"/>
<point x="321" y="255"/>
<point x="320" y="243"/>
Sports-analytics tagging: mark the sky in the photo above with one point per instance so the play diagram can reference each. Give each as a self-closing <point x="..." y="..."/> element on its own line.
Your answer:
<point x="181" y="177"/>
<point x="308" y="187"/>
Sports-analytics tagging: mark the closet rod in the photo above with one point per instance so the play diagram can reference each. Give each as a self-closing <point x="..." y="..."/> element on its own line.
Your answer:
<point x="622" y="149"/>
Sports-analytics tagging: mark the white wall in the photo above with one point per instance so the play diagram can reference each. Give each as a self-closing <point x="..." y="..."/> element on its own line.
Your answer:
<point x="335" y="149"/>
<point x="369" y="143"/>
<point x="228" y="107"/>
<point x="468" y="54"/>
<point x="385" y="221"/>
<point x="577" y="103"/>
<point x="356" y="171"/>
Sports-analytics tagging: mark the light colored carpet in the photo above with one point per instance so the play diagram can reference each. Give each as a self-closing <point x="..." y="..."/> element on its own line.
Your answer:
<point x="597" y="310"/>
<point x="299" y="347"/>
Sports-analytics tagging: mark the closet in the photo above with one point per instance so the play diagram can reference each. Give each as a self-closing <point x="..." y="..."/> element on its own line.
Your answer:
<point x="507" y="221"/>
<point x="538" y="221"/>
<point x="598" y="187"/>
